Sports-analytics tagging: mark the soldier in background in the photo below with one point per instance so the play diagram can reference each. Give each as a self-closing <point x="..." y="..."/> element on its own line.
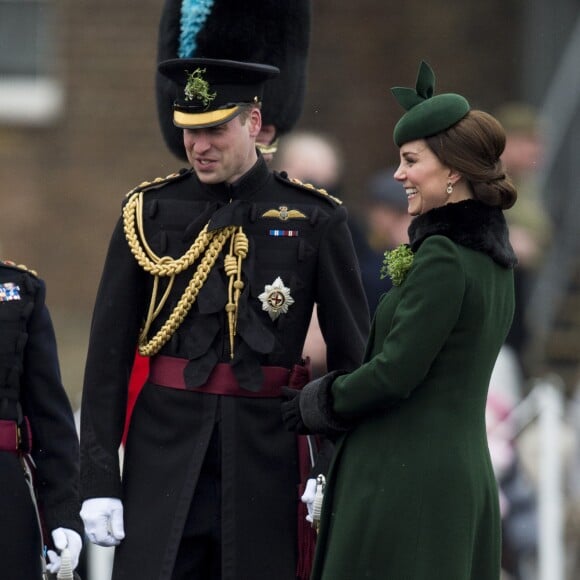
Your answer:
<point x="39" y="503"/>
<point x="530" y="225"/>
<point x="387" y="221"/>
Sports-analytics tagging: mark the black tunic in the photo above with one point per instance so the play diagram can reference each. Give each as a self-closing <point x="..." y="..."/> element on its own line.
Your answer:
<point x="31" y="390"/>
<point x="171" y="429"/>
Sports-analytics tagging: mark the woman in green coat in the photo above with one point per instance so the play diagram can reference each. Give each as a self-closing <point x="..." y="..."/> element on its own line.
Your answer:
<point x="411" y="493"/>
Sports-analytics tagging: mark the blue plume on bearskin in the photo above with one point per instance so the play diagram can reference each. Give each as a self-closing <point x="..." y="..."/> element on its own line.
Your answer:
<point x="194" y="13"/>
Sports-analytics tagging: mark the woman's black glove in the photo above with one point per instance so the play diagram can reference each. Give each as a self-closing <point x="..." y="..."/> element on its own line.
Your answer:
<point x="310" y="410"/>
<point x="291" y="416"/>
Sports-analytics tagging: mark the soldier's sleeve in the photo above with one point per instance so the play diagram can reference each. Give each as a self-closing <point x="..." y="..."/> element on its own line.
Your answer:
<point x="55" y="447"/>
<point x="342" y="305"/>
<point x="117" y="316"/>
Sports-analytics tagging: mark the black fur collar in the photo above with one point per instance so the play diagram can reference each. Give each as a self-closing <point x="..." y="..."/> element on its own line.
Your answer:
<point x="469" y="223"/>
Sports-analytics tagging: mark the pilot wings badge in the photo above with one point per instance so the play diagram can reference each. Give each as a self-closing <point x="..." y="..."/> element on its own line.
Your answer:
<point x="284" y="214"/>
<point x="276" y="298"/>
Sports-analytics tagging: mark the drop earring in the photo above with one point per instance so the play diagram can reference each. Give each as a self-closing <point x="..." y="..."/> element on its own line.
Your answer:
<point x="449" y="189"/>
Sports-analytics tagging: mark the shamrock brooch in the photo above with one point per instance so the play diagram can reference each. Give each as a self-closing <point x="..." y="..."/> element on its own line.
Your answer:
<point x="397" y="263"/>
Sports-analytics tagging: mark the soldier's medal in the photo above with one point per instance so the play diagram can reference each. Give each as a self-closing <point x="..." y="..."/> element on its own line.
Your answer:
<point x="276" y="298"/>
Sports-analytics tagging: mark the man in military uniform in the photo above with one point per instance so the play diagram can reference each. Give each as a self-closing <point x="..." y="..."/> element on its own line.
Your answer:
<point x="213" y="272"/>
<point x="270" y="32"/>
<point x="38" y="439"/>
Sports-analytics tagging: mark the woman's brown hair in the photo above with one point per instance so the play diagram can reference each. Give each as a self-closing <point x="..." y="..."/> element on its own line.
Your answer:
<point x="473" y="147"/>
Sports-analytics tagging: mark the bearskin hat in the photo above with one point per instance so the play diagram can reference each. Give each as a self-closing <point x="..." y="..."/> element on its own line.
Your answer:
<point x="274" y="32"/>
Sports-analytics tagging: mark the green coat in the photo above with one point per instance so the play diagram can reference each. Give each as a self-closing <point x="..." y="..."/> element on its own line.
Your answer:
<point x="411" y="494"/>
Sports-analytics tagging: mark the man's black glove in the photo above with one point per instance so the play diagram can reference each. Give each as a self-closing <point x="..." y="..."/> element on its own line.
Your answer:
<point x="291" y="415"/>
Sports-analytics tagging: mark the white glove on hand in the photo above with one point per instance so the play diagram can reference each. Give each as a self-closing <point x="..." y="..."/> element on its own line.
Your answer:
<point x="103" y="519"/>
<point x="64" y="538"/>
<point x="308" y="497"/>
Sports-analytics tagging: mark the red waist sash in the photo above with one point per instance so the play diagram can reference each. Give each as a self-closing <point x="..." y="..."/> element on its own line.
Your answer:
<point x="8" y="436"/>
<point x="167" y="371"/>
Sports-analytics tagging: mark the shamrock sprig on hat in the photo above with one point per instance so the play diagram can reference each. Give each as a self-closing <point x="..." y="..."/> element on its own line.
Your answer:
<point x="198" y="88"/>
<point x="397" y="263"/>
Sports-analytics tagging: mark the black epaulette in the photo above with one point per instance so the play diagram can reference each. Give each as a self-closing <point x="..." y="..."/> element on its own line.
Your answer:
<point x="159" y="182"/>
<point x="20" y="267"/>
<point x="283" y="176"/>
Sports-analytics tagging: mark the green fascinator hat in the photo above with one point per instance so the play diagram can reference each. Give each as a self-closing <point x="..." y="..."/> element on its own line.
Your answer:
<point x="426" y="114"/>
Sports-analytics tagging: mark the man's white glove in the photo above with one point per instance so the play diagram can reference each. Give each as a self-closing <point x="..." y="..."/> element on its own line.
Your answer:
<point x="308" y="497"/>
<point x="103" y="519"/>
<point x="64" y="538"/>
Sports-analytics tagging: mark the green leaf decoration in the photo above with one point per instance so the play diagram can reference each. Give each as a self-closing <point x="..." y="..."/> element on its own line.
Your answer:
<point x="424" y="88"/>
<point x="397" y="263"/>
<point x="406" y="97"/>
<point x="425" y="81"/>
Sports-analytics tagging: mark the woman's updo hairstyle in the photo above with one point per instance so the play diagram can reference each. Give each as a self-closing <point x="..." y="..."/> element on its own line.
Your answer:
<point x="473" y="147"/>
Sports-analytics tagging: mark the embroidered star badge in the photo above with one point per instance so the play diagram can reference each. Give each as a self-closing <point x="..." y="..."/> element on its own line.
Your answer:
<point x="276" y="298"/>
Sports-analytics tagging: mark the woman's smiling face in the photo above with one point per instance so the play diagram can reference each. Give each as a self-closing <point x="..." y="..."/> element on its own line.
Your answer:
<point x="423" y="176"/>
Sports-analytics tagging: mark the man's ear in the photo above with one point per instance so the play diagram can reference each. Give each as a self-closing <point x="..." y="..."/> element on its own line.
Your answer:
<point x="255" y="122"/>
